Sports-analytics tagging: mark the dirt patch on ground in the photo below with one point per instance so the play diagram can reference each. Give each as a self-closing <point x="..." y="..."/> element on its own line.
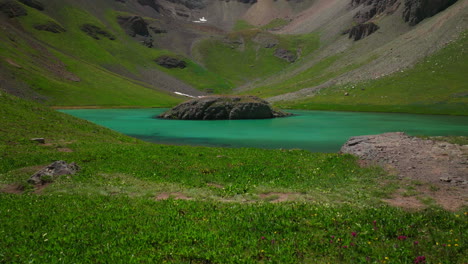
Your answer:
<point x="215" y="185"/>
<point x="69" y="150"/>
<point x="278" y="197"/>
<point x="20" y="189"/>
<point x="438" y="169"/>
<point x="172" y="195"/>
<point x="13" y="189"/>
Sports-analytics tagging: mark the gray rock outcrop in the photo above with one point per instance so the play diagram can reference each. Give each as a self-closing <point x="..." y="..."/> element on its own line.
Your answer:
<point x="52" y="171"/>
<point x="286" y="55"/>
<point x="13" y="9"/>
<point x="96" y="32"/>
<point x="363" y="30"/>
<point x="51" y="27"/>
<point x="170" y="62"/>
<point x="222" y="108"/>
<point x="417" y="10"/>
<point x="34" y="4"/>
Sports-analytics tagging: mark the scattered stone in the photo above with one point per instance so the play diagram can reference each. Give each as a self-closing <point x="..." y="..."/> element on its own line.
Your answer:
<point x="95" y="31"/>
<point x="157" y="30"/>
<point x="222" y="108"/>
<point x="445" y="179"/>
<point x="34" y="4"/>
<point x="52" y="171"/>
<point x="170" y="62"/>
<point x="346" y="94"/>
<point x="38" y="140"/>
<point x="412" y="157"/>
<point x="13" y="9"/>
<point x="286" y="55"/>
<point x="363" y="30"/>
<point x="268" y="41"/>
<point x="51" y="27"/>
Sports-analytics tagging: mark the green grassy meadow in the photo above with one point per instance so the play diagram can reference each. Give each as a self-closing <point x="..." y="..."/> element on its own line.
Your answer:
<point x="111" y="211"/>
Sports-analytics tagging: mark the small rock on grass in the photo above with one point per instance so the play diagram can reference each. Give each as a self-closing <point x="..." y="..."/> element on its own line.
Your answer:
<point x="52" y="171"/>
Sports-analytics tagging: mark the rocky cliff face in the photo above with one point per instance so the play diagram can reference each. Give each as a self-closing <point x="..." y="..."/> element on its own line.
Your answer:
<point x="222" y="108"/>
<point x="417" y="10"/>
<point x="373" y="8"/>
<point x="363" y="30"/>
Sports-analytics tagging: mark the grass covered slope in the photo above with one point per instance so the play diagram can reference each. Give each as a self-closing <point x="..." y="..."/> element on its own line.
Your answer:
<point x="249" y="54"/>
<point x="72" y="68"/>
<point x="115" y="209"/>
<point x="436" y="85"/>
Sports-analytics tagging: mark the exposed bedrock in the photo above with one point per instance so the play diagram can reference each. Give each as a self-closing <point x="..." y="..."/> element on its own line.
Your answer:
<point x="134" y="25"/>
<point x="170" y="62"/>
<point x="372" y="8"/>
<point x="412" y="157"/>
<point x="50" y="26"/>
<point x="363" y="30"/>
<point x="222" y="108"/>
<point x="96" y="32"/>
<point x="12" y="9"/>
<point x="34" y="4"/>
<point x="417" y="10"/>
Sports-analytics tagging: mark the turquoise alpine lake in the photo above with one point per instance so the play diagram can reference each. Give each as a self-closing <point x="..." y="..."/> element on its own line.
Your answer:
<point x="317" y="131"/>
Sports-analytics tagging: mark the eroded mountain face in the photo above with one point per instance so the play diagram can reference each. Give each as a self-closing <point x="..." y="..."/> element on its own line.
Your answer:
<point x="418" y="10"/>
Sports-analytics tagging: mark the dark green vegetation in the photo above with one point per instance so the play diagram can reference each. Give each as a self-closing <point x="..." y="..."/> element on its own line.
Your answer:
<point x="110" y="210"/>
<point x="437" y="85"/>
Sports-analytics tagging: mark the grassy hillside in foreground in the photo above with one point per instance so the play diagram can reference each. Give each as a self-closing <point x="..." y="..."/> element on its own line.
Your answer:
<point x="109" y="211"/>
<point x="437" y="85"/>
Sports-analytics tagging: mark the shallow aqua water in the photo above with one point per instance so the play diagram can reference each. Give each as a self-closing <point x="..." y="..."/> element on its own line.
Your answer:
<point x="318" y="131"/>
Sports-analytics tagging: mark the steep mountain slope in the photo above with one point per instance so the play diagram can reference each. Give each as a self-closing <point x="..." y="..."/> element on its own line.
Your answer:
<point x="142" y="52"/>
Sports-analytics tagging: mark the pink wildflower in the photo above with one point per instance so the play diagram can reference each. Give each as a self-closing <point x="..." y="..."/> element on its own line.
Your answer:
<point x="420" y="259"/>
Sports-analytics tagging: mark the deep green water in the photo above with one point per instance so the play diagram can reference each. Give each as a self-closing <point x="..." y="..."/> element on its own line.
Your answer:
<point x="317" y="131"/>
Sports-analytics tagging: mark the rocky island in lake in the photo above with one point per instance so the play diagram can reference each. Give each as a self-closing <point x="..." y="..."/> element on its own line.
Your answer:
<point x="222" y="108"/>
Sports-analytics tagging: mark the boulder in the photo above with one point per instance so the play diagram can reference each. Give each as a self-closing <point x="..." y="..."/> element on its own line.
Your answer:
<point x="286" y="55"/>
<point x="52" y="171"/>
<point x="12" y="9"/>
<point x="134" y="25"/>
<point x="170" y="62"/>
<point x="51" y="27"/>
<point x="417" y="10"/>
<point x="222" y="108"/>
<point x="34" y="4"/>
<point x="363" y="30"/>
<point x="96" y="32"/>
